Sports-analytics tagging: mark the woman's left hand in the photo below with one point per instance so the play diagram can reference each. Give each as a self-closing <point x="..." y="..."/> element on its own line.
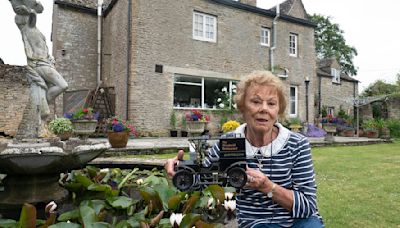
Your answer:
<point x="256" y="179"/>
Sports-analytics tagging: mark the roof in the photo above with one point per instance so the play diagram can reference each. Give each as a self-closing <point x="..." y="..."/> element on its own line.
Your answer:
<point x="90" y="6"/>
<point x="324" y="67"/>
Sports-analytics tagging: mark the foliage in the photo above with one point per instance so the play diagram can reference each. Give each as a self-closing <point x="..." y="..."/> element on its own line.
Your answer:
<point x="224" y="100"/>
<point x="230" y="125"/>
<point x="135" y="198"/>
<point x="314" y="131"/>
<point x="330" y="42"/>
<point x="294" y="122"/>
<point x="116" y="124"/>
<point x="329" y="119"/>
<point x="82" y="114"/>
<point x="60" y="125"/>
<point x="380" y="87"/>
<point x="370" y="124"/>
<point x="394" y="127"/>
<point x="197" y="115"/>
<point x="183" y="122"/>
<point x="172" y="120"/>
<point x="324" y="111"/>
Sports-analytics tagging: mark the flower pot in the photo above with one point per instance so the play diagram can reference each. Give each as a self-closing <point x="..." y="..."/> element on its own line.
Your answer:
<point x="64" y="136"/>
<point x="118" y="139"/>
<point x="372" y="133"/>
<point x="196" y="127"/>
<point x="173" y="133"/>
<point x="184" y="134"/>
<point x="84" y="128"/>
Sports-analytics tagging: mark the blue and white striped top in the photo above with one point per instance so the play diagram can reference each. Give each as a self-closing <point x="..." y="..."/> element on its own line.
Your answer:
<point x="290" y="167"/>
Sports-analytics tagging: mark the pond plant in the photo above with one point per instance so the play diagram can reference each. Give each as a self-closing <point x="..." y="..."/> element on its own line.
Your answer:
<point x="131" y="198"/>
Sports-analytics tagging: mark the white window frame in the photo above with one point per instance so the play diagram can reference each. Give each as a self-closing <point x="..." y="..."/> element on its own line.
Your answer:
<point x="330" y="111"/>
<point x="202" y="85"/>
<point x="295" y="101"/>
<point x="205" y="27"/>
<point x="293" y="44"/>
<point x="335" y="75"/>
<point x="265" y="36"/>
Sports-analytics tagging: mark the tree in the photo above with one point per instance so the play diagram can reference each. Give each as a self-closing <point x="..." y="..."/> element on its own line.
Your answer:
<point x="380" y="87"/>
<point x="330" y="42"/>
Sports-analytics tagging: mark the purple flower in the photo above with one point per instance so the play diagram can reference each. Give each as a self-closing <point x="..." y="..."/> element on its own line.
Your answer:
<point x="68" y="115"/>
<point x="118" y="127"/>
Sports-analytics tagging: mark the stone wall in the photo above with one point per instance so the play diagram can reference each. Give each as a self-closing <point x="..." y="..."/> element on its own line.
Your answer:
<point x="394" y="107"/>
<point x="162" y="34"/>
<point x="14" y="96"/>
<point x="75" y="48"/>
<point x="335" y="95"/>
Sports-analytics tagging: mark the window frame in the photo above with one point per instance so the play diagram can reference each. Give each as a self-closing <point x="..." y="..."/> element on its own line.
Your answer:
<point x="293" y="44"/>
<point x="296" y="102"/>
<point x="204" y="27"/>
<point x="203" y="92"/>
<point x="268" y="37"/>
<point x="335" y="75"/>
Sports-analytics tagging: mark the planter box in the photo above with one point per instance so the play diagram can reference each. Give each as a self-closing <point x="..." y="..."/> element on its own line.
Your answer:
<point x="329" y="128"/>
<point x="195" y="127"/>
<point x="84" y="127"/>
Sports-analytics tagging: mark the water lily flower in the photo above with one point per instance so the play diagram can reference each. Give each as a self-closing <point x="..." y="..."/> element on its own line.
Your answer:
<point x="51" y="207"/>
<point x="176" y="218"/>
<point x="230" y="205"/>
<point x="228" y="195"/>
<point x="139" y="181"/>
<point x="105" y="170"/>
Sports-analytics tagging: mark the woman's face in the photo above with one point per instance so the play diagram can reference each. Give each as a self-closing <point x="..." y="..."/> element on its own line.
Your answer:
<point x="261" y="107"/>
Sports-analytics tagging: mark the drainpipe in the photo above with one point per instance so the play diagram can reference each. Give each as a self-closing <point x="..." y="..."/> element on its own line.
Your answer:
<point x="99" y="13"/>
<point x="128" y="58"/>
<point x="274" y="40"/>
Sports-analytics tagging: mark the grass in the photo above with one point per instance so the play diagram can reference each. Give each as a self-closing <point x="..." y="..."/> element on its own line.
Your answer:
<point x="358" y="186"/>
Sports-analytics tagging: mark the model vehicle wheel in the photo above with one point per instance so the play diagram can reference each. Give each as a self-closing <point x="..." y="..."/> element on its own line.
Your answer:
<point x="237" y="177"/>
<point x="183" y="180"/>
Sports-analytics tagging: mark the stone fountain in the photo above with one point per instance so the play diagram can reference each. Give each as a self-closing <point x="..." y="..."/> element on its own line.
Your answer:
<point x="33" y="163"/>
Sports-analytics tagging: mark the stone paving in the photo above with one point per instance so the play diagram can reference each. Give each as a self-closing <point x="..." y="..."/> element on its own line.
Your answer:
<point x="117" y="157"/>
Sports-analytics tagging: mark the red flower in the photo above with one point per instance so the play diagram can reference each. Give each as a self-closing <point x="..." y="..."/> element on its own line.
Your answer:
<point x="85" y="110"/>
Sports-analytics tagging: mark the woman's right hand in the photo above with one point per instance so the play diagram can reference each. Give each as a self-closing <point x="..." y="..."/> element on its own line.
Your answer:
<point x="171" y="163"/>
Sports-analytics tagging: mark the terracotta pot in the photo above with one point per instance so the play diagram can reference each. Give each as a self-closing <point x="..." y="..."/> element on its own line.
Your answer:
<point x="64" y="136"/>
<point x="118" y="139"/>
<point x="372" y="133"/>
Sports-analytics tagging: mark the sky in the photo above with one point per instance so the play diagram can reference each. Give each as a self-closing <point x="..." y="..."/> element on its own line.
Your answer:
<point x="369" y="26"/>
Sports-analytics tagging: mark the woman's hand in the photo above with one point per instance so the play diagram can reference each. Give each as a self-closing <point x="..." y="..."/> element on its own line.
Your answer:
<point x="258" y="180"/>
<point x="171" y="163"/>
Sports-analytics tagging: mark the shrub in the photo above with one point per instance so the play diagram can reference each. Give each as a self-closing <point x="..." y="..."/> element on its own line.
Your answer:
<point x="394" y="127"/>
<point x="60" y="125"/>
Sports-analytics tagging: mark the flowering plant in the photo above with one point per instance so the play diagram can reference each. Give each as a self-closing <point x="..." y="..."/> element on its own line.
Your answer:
<point x="82" y="114"/>
<point x="197" y="115"/>
<point x="115" y="124"/>
<point x="329" y="119"/>
<point x="230" y="125"/>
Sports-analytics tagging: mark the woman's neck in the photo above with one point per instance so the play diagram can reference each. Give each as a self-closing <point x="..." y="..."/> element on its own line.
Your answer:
<point x="259" y="139"/>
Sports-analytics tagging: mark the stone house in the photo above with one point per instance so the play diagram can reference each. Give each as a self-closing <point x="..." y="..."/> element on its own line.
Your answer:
<point x="161" y="56"/>
<point x="334" y="90"/>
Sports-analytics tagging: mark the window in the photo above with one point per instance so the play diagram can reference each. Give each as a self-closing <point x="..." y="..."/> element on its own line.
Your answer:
<point x="293" y="101"/>
<point x="331" y="111"/>
<point x="199" y="92"/>
<point x="335" y="75"/>
<point x="204" y="27"/>
<point x="265" y="36"/>
<point x="293" y="44"/>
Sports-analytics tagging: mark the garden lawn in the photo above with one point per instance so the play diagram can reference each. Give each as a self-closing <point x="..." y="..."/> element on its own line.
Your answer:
<point x="359" y="186"/>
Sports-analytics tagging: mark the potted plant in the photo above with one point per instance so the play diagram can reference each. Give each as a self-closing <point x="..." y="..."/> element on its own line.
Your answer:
<point x="229" y="126"/>
<point x="119" y="131"/>
<point x="329" y="123"/>
<point x="84" y="121"/>
<point x="371" y="129"/>
<point x="62" y="127"/>
<point x="294" y="124"/>
<point x="196" y="121"/>
<point x="172" y="123"/>
<point x="184" y="132"/>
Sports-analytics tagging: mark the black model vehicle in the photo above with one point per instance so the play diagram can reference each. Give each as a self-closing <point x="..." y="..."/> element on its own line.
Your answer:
<point x="228" y="170"/>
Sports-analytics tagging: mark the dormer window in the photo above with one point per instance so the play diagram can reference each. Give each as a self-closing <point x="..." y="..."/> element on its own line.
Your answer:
<point x="335" y="75"/>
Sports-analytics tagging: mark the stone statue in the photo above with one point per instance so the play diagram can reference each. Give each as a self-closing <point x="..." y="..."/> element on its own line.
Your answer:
<point x="45" y="82"/>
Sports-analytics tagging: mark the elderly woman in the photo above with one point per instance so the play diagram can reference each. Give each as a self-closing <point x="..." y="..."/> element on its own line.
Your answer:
<point x="281" y="189"/>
